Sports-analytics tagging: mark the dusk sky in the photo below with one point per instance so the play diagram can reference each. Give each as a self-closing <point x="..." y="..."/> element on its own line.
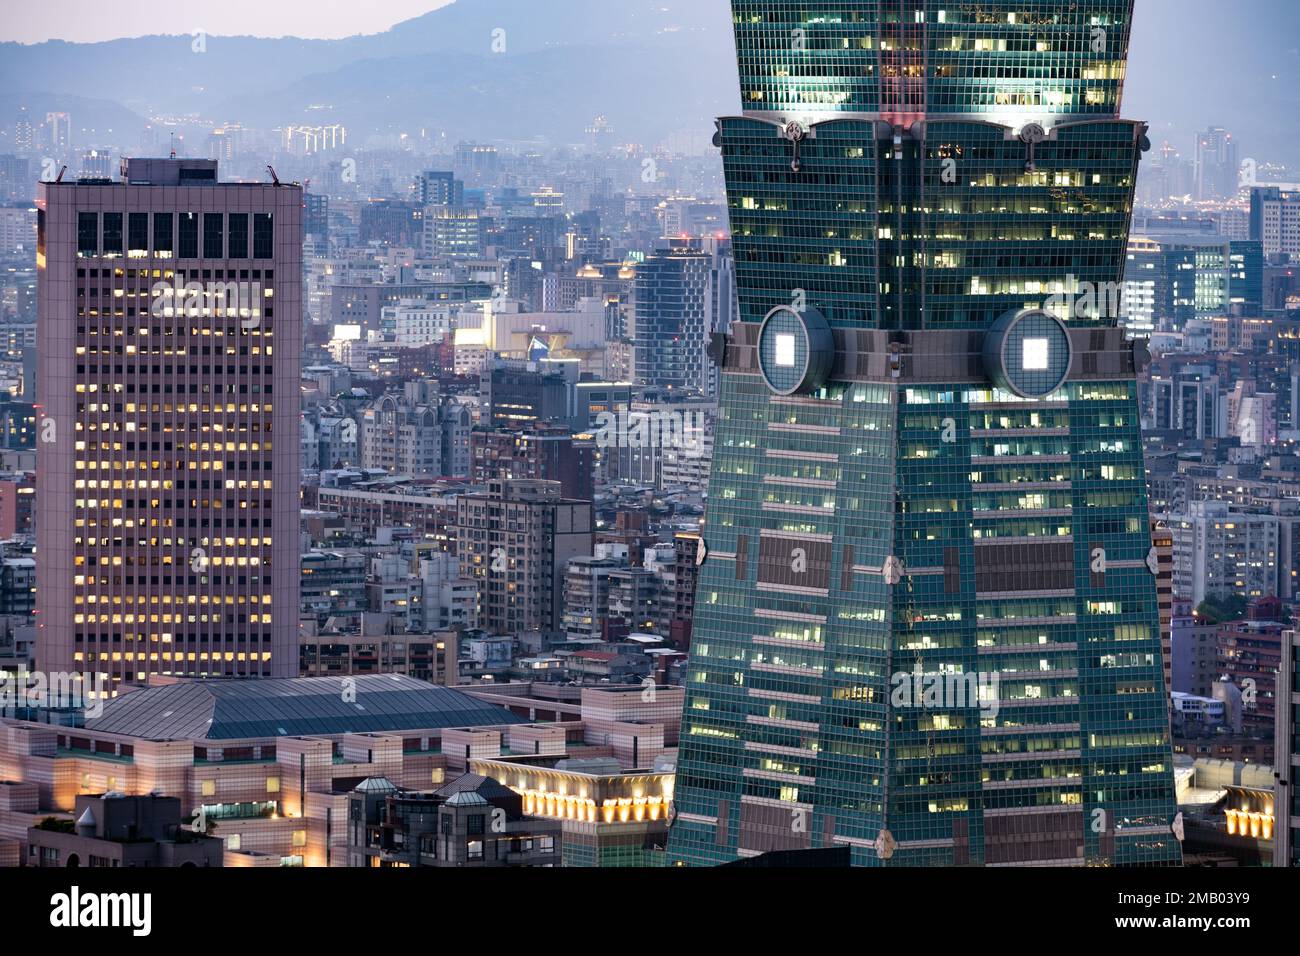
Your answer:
<point x="1193" y="63"/>
<point x="92" y="20"/>
<point x="86" y="21"/>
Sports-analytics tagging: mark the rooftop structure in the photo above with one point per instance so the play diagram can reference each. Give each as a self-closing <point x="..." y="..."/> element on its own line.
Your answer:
<point x="238" y="710"/>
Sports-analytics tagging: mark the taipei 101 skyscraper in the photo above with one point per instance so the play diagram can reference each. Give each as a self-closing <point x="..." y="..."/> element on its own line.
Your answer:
<point x="926" y="623"/>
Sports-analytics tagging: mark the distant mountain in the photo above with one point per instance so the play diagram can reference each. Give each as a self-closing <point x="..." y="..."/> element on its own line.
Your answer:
<point x="111" y="122"/>
<point x="651" y="66"/>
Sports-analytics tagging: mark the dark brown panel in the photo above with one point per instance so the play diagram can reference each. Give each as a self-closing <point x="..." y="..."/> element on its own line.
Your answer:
<point x="1033" y="837"/>
<point x="961" y="842"/>
<point x="951" y="571"/>
<point x="778" y="559"/>
<point x="765" y="829"/>
<point x="1003" y="568"/>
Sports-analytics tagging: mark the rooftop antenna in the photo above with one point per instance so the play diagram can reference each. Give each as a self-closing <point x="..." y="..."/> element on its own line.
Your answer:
<point x="274" y="178"/>
<point x="173" y="138"/>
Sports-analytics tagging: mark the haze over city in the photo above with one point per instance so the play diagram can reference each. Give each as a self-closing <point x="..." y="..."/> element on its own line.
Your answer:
<point x="631" y="442"/>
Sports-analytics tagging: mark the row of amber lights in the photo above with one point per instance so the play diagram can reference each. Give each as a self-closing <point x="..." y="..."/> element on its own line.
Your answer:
<point x="538" y="803"/>
<point x="1258" y="826"/>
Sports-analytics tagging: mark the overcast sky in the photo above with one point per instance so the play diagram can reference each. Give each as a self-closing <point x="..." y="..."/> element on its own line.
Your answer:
<point x="31" y="21"/>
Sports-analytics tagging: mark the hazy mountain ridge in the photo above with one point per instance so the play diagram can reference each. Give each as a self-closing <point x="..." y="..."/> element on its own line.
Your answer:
<point x="551" y="94"/>
<point x="651" y="66"/>
<point x="564" y="61"/>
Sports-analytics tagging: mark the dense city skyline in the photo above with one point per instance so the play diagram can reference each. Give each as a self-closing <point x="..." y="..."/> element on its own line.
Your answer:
<point x="655" y="438"/>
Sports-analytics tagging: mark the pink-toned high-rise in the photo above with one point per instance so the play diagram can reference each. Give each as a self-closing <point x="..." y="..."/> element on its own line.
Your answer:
<point x="170" y="337"/>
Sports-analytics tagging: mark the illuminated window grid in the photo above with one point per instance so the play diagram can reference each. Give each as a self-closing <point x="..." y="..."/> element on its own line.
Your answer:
<point x="998" y="238"/>
<point x="932" y="55"/>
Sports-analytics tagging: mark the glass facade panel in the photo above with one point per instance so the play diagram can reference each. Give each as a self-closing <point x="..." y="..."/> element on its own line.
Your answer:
<point x="213" y="238"/>
<point x="237" y="246"/>
<point x="163" y="243"/>
<point x="189" y="235"/>
<point x="263" y="236"/>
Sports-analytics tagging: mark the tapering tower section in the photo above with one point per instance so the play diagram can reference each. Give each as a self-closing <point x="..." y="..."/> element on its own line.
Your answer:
<point x="926" y="624"/>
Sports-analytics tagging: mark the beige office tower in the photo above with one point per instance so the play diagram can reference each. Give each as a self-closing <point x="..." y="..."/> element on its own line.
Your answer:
<point x="169" y="341"/>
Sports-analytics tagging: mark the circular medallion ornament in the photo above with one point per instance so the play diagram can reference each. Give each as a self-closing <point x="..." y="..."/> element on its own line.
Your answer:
<point x="1033" y="134"/>
<point x="796" y="350"/>
<point x="1028" y="353"/>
